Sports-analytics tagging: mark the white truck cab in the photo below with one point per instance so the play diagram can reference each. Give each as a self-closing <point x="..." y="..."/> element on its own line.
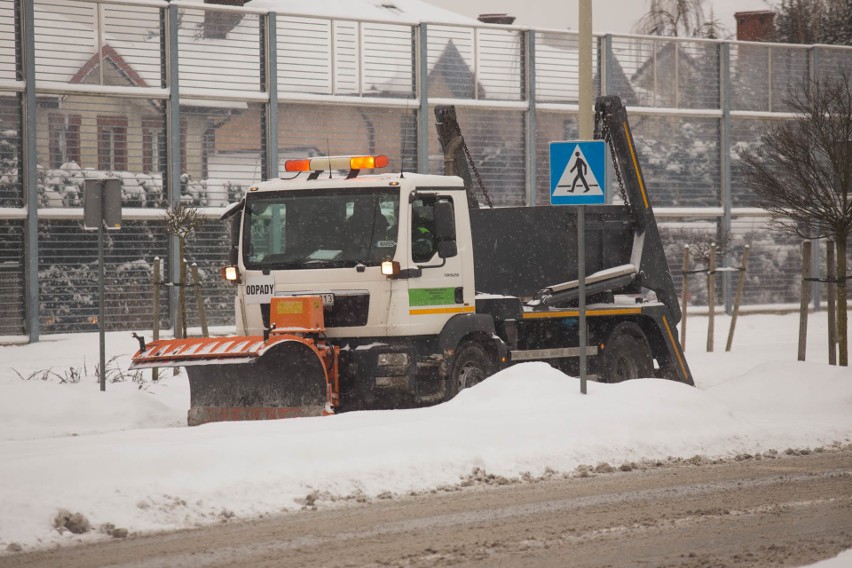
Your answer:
<point x="368" y="245"/>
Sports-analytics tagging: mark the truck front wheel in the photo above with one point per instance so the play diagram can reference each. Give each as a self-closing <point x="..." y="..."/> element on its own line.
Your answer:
<point x="626" y="355"/>
<point x="471" y="364"/>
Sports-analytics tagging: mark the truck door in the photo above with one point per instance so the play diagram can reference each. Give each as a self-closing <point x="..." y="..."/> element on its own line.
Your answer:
<point x="438" y="293"/>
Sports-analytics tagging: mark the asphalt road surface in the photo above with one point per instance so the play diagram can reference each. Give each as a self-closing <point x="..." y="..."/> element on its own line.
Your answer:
<point x="771" y="511"/>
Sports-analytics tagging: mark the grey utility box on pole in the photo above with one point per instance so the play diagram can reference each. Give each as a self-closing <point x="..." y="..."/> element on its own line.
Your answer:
<point x="102" y="208"/>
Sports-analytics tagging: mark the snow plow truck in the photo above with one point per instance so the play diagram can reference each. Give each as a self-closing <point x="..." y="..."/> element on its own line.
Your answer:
<point x="397" y="289"/>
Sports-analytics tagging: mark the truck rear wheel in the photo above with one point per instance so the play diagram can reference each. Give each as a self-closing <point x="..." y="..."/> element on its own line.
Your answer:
<point x="471" y="365"/>
<point x="626" y="355"/>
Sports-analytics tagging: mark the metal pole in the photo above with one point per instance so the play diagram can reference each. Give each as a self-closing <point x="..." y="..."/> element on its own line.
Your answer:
<point x="581" y="279"/>
<point x="30" y="172"/>
<point x="423" y="95"/>
<point x="725" y="157"/>
<point x="586" y="118"/>
<point x="529" y="61"/>
<point x="173" y="149"/>
<point x="101" y="296"/>
<point x="586" y="124"/>
<point x="270" y="70"/>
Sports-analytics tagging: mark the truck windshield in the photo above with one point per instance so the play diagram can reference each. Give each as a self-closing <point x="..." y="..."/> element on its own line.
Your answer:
<point x="320" y="229"/>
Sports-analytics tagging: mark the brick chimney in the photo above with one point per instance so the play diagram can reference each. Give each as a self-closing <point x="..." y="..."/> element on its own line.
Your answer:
<point x="755" y="26"/>
<point x="503" y="19"/>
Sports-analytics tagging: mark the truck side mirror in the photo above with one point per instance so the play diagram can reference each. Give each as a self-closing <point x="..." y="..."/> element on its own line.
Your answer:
<point x="233" y="251"/>
<point x="445" y="229"/>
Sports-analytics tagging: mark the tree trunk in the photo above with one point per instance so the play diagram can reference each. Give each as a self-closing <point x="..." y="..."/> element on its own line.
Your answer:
<point x="842" y="306"/>
<point x="181" y="292"/>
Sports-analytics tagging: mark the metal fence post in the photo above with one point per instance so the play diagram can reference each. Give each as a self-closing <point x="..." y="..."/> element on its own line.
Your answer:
<point x="269" y="77"/>
<point x="422" y="75"/>
<point x="173" y="164"/>
<point x="725" y="165"/>
<point x="30" y="174"/>
<point x="530" y="83"/>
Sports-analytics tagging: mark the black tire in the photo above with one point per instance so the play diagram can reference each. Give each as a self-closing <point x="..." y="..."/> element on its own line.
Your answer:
<point x="626" y="355"/>
<point x="470" y="365"/>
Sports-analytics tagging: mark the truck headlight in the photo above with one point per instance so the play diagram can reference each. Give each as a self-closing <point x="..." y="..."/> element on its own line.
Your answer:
<point x="231" y="274"/>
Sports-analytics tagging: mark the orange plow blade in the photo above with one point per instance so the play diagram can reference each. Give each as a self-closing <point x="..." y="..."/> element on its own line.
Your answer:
<point x="249" y="378"/>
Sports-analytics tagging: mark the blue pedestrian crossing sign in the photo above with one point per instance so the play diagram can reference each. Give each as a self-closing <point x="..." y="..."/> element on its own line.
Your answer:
<point x="577" y="172"/>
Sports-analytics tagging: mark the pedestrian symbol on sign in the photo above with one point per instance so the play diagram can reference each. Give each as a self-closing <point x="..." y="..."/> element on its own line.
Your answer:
<point x="580" y="166"/>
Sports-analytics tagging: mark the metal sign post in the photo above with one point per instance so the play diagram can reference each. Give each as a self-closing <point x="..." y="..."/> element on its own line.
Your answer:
<point x="102" y="208"/>
<point x="581" y="279"/>
<point x="578" y="177"/>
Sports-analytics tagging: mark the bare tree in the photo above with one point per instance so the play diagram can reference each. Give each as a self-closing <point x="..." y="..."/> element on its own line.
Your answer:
<point x="180" y="222"/>
<point x="802" y="174"/>
<point x="680" y="18"/>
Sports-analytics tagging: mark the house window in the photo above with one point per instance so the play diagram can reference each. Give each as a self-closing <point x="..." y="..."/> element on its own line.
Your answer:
<point x="153" y="145"/>
<point x="112" y="143"/>
<point x="64" y="139"/>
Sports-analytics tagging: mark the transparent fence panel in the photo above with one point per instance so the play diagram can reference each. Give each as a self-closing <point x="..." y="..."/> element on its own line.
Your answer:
<point x="219" y="50"/>
<point x="680" y="159"/>
<point x="133" y="36"/>
<point x="221" y="147"/>
<point x="80" y="136"/>
<point x="665" y="72"/>
<point x="789" y="68"/>
<point x="451" y="65"/>
<point x="305" y="55"/>
<point x="500" y="64"/>
<point x="124" y="51"/>
<point x="65" y="40"/>
<point x="550" y="127"/>
<point x="556" y="63"/>
<point x="750" y="77"/>
<point x="8" y="53"/>
<point x="832" y="60"/>
<point x="318" y="56"/>
<point x="697" y="67"/>
<point x="12" y="307"/>
<point x="496" y="141"/>
<point x="11" y="150"/>
<point x="630" y="63"/>
<point x="304" y="132"/>
<point x="68" y="275"/>
<point x="388" y="60"/>
<point x="745" y="134"/>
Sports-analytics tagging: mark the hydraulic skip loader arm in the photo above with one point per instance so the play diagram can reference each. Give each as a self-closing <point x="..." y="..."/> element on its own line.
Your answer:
<point x="611" y="125"/>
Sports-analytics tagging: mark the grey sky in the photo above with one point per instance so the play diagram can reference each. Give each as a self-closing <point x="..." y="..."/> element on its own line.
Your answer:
<point x="617" y="16"/>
